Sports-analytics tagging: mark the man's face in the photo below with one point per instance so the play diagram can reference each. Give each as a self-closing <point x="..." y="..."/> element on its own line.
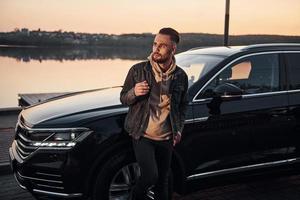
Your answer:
<point x="163" y="48"/>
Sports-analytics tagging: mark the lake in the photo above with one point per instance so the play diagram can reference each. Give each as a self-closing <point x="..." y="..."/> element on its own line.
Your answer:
<point x="24" y="71"/>
<point x="27" y="70"/>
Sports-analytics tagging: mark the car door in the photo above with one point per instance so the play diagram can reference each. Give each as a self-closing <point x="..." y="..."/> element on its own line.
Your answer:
<point x="292" y="60"/>
<point x="234" y="131"/>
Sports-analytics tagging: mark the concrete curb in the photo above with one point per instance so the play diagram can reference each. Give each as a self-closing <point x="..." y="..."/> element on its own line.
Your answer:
<point x="5" y="168"/>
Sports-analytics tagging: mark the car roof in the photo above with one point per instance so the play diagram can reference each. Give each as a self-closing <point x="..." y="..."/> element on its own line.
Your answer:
<point x="230" y="50"/>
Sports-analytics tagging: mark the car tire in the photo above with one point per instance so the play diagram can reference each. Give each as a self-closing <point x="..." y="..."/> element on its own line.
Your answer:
<point x="105" y="187"/>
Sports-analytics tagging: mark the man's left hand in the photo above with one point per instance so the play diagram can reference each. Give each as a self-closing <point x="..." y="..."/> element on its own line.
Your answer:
<point x="177" y="138"/>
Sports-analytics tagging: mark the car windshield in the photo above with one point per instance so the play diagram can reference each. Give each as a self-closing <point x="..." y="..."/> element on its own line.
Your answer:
<point x="197" y="65"/>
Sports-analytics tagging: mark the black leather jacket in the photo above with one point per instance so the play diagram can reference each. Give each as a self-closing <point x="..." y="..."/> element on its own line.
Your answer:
<point x="137" y="116"/>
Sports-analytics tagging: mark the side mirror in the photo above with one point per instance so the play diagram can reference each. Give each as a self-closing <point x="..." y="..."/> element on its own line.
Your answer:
<point x="228" y="91"/>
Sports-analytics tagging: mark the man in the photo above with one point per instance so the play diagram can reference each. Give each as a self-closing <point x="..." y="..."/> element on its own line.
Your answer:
<point x="156" y="93"/>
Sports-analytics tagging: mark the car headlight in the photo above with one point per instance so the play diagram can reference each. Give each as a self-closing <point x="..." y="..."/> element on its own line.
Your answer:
<point x="65" y="136"/>
<point x="60" y="139"/>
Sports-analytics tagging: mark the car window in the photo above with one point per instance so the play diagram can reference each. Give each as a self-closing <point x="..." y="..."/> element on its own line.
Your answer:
<point x="293" y="61"/>
<point x="197" y="65"/>
<point x="253" y="74"/>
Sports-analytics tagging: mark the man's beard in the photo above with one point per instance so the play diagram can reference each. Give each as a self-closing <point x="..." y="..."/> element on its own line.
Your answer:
<point x="161" y="59"/>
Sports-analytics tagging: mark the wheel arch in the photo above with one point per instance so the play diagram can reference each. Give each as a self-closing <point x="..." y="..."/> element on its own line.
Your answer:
<point x="121" y="141"/>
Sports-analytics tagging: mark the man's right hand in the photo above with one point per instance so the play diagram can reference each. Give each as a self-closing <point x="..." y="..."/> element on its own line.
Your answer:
<point x="141" y="88"/>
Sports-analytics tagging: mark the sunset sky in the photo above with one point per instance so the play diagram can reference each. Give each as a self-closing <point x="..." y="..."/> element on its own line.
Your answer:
<point x="138" y="16"/>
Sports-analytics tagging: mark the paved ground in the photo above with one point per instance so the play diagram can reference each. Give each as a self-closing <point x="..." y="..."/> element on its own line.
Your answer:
<point x="8" y="120"/>
<point x="273" y="188"/>
<point x="9" y="190"/>
<point x="284" y="188"/>
<point x="6" y="139"/>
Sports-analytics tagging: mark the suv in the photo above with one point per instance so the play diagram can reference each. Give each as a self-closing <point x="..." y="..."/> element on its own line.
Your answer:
<point x="243" y="117"/>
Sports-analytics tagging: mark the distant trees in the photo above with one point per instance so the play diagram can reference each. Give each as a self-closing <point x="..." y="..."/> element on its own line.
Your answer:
<point x="188" y="40"/>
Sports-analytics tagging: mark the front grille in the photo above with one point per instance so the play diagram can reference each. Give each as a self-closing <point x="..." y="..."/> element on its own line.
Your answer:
<point x="44" y="181"/>
<point x="23" y="141"/>
<point x="23" y="148"/>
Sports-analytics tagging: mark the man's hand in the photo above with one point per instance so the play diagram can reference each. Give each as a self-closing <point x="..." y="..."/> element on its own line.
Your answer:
<point x="141" y="88"/>
<point x="177" y="138"/>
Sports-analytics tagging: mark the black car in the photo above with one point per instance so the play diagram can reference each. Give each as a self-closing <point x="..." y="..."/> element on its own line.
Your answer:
<point x="243" y="116"/>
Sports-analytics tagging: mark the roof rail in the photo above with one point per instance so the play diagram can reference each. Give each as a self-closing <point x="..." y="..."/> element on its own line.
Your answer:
<point x="268" y="45"/>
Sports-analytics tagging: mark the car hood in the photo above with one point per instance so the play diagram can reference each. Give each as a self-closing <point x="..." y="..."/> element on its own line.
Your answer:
<point x="69" y="110"/>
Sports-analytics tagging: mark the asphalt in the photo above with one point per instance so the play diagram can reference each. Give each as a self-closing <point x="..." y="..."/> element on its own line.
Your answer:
<point x="8" y="120"/>
<point x="286" y="187"/>
<point x="282" y="188"/>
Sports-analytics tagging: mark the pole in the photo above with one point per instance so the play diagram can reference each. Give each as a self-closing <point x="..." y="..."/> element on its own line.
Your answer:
<point x="226" y="28"/>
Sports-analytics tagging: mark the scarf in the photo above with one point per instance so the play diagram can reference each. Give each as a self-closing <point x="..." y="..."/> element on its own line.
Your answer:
<point x="157" y="69"/>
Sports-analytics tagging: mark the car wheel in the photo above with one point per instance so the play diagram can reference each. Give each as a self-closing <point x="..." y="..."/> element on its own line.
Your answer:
<point x="117" y="177"/>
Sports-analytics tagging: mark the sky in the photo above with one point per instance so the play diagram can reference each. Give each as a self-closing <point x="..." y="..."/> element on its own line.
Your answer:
<point x="281" y="17"/>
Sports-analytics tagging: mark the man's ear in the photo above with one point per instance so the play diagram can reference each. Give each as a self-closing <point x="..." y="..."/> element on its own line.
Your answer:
<point x="174" y="46"/>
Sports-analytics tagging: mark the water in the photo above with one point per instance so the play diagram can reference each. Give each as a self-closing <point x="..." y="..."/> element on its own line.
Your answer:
<point x="34" y="71"/>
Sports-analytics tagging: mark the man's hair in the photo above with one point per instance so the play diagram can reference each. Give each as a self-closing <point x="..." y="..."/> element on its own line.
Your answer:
<point x="174" y="35"/>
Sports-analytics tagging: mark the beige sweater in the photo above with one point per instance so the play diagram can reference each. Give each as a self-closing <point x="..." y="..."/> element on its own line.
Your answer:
<point x="159" y="126"/>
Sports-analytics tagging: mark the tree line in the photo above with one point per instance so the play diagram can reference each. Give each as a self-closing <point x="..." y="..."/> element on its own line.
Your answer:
<point x="25" y="37"/>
